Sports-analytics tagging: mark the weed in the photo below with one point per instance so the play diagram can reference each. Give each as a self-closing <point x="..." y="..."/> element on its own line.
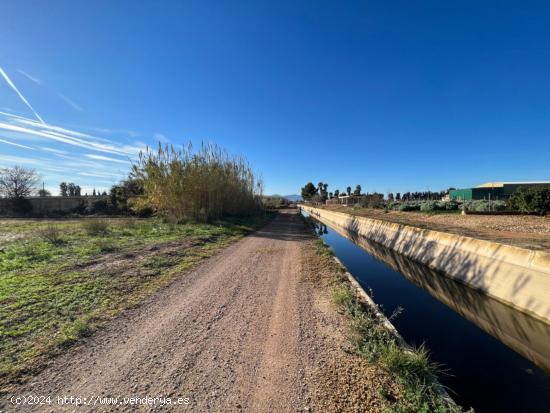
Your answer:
<point x="105" y="245"/>
<point x="94" y="227"/>
<point x="323" y="249"/>
<point x="74" y="331"/>
<point x="128" y="226"/>
<point x="342" y="296"/>
<point x="52" y="234"/>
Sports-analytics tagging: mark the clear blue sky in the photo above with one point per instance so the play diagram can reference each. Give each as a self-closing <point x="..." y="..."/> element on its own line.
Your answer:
<point x="394" y="95"/>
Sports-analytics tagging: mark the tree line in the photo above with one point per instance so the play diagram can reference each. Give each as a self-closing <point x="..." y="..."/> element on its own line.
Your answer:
<point x="320" y="192"/>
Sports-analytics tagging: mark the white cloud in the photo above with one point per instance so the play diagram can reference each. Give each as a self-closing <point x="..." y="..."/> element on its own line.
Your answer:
<point x="15" y="144"/>
<point x="52" y="150"/>
<point x="11" y="160"/>
<point x="101" y="174"/>
<point x="10" y="83"/>
<point x="106" y="158"/>
<point x="49" y="132"/>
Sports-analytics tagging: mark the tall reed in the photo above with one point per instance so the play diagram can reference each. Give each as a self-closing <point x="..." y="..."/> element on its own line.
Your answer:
<point x="201" y="185"/>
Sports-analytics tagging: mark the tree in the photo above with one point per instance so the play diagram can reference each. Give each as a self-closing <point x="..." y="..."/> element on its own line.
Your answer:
<point x="330" y="195"/>
<point x="323" y="195"/>
<point x="308" y="191"/>
<point x="398" y="196"/>
<point x="78" y="190"/>
<point x="63" y="189"/>
<point x="336" y="193"/>
<point x="17" y="182"/>
<point x="44" y="192"/>
<point x="121" y="193"/>
<point x="93" y="193"/>
<point x="357" y="191"/>
<point x="531" y="200"/>
<point x="348" y="190"/>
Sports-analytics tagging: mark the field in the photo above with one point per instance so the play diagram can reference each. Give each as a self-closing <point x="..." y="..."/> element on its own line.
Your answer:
<point x="526" y="231"/>
<point x="61" y="279"/>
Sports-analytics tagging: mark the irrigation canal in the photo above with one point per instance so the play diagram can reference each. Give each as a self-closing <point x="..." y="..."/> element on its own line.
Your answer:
<point x="497" y="359"/>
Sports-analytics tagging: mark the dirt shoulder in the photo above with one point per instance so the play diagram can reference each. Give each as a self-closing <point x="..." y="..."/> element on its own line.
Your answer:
<point x="251" y="329"/>
<point x="532" y="232"/>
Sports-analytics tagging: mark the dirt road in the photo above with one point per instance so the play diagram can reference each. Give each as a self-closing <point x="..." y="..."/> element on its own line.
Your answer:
<point x="241" y="332"/>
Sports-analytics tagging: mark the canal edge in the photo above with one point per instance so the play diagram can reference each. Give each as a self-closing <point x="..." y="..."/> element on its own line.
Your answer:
<point x="490" y="267"/>
<point x="367" y="301"/>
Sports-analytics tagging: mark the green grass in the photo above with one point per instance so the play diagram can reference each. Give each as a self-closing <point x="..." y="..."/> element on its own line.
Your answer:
<point x="52" y="294"/>
<point x="410" y="368"/>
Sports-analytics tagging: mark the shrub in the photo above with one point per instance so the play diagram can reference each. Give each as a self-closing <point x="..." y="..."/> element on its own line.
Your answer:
<point x="478" y="206"/>
<point x="409" y="207"/>
<point x="498" y="205"/>
<point x="20" y="206"/>
<point x="52" y="234"/>
<point x="95" y="227"/>
<point x="532" y="200"/>
<point x="100" y="206"/>
<point x="485" y="206"/>
<point x="430" y="206"/>
<point x="451" y="206"/>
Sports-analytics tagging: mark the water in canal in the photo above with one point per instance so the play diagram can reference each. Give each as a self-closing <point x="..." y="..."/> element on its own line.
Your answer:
<point x="498" y="359"/>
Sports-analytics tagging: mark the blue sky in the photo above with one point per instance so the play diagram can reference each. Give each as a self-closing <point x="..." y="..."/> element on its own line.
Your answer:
<point x="395" y="95"/>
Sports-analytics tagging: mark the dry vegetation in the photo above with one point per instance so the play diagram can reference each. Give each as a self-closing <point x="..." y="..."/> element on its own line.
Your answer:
<point x="202" y="185"/>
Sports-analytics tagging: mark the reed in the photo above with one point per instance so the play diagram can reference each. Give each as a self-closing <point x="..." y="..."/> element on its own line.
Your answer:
<point x="201" y="185"/>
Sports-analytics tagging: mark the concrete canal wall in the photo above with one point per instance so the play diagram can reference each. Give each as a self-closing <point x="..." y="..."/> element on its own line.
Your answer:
<point x="516" y="276"/>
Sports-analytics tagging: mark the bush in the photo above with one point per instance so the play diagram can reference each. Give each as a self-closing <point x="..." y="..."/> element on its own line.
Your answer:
<point x="451" y="206"/>
<point x="485" y="206"/>
<point x="96" y="227"/>
<point x="430" y="206"/>
<point x="498" y="206"/>
<point x="409" y="207"/>
<point x="532" y="200"/>
<point x="52" y="234"/>
<point x="100" y="206"/>
<point x="20" y="206"/>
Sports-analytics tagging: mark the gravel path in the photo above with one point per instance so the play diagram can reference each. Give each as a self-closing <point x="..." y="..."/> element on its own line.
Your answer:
<point x="243" y="331"/>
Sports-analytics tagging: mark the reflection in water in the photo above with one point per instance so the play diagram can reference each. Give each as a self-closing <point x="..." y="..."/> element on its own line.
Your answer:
<point x="526" y="335"/>
<point x="496" y="356"/>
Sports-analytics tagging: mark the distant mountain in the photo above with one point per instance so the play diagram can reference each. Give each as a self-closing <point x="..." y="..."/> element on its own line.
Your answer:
<point x="293" y="198"/>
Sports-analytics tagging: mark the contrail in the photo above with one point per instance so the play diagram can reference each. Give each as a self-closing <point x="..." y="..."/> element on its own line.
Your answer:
<point x="15" y="144"/>
<point x="4" y="74"/>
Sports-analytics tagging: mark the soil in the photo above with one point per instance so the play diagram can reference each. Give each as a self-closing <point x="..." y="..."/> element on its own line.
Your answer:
<point x="251" y="329"/>
<point x="526" y="231"/>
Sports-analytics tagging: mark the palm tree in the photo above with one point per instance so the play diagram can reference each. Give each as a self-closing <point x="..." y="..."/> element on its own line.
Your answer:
<point x="348" y="190"/>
